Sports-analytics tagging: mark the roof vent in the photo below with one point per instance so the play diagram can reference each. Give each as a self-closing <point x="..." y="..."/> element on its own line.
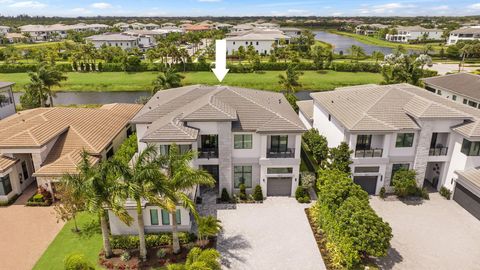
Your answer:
<point x="149" y="107"/>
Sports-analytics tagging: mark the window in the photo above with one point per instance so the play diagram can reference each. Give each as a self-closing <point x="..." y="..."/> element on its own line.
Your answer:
<point x="234" y="43"/>
<point x="242" y="141"/>
<point x="396" y="168"/>
<point x="179" y="217"/>
<point x="209" y="141"/>
<point x="165" y="217"/>
<point x="465" y="101"/>
<point x="363" y="142"/>
<point x="278" y="143"/>
<point x="154" y="216"/>
<point x="329" y="117"/>
<point x="279" y="170"/>
<point x="472" y="103"/>
<point x="243" y="175"/>
<point x="183" y="148"/>
<point x="257" y="43"/>
<point x="129" y="130"/>
<point x="5" y="185"/>
<point x="371" y="169"/>
<point x="25" y="170"/>
<point x="439" y="92"/>
<point x="404" y="140"/>
<point x="454" y="97"/>
<point x="470" y="148"/>
<point x="110" y="153"/>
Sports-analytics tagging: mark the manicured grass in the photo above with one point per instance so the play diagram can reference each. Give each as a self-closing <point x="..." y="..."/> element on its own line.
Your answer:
<point x="87" y="242"/>
<point x="120" y="81"/>
<point x="379" y="42"/>
<point x="33" y="45"/>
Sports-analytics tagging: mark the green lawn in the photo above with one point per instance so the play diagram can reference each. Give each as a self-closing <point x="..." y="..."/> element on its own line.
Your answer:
<point x="33" y="45"/>
<point x="120" y="81"/>
<point x="88" y="242"/>
<point x="379" y="42"/>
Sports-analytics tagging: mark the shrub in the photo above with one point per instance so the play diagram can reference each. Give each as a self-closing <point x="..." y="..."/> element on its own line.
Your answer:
<point x="405" y="184"/>
<point x="152" y="240"/>
<point x="100" y="66"/>
<point x="243" y="192"/>
<point x="445" y="192"/>
<point x="425" y="194"/>
<point x="307" y="179"/>
<point x="258" y="194"/>
<point x="161" y="253"/>
<point x="383" y="194"/>
<point x="125" y="256"/>
<point x="37" y="198"/>
<point x="306" y="198"/>
<point x="300" y="193"/>
<point x="77" y="262"/>
<point x="225" y="197"/>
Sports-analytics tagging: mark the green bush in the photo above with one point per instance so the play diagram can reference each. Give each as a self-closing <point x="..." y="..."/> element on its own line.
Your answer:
<point x="37" y="198"/>
<point x="127" y="149"/>
<point x="243" y="192"/>
<point x="225" y="197"/>
<point x="161" y="253"/>
<point x="405" y="185"/>
<point x="383" y="194"/>
<point x="18" y="68"/>
<point x="300" y="192"/>
<point x="258" y="194"/>
<point x="445" y="192"/>
<point x="125" y="257"/>
<point x="77" y="262"/>
<point x="151" y="240"/>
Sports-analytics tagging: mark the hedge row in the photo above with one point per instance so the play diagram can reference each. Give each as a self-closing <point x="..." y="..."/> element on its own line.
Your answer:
<point x="151" y="240"/>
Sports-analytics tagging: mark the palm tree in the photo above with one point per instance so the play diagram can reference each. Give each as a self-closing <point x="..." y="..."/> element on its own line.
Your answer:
<point x="144" y="181"/>
<point x="34" y="92"/>
<point x="168" y="79"/>
<point x="208" y="226"/>
<point x="199" y="259"/>
<point x="377" y="55"/>
<point x="74" y="186"/>
<point x="356" y="52"/>
<point x="290" y="81"/>
<point x="50" y="76"/>
<point x="181" y="178"/>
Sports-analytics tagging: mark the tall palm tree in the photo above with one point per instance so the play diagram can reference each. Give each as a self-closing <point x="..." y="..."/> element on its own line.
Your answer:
<point x="181" y="178"/>
<point x="168" y="79"/>
<point x="50" y="76"/>
<point x="34" y="92"/>
<point x="290" y="81"/>
<point x="356" y="52"/>
<point x="144" y="180"/>
<point x="199" y="259"/>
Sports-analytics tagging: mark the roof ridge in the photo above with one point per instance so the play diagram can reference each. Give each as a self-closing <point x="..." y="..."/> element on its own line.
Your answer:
<point x="80" y="136"/>
<point x="217" y="107"/>
<point x="371" y="106"/>
<point x="256" y="103"/>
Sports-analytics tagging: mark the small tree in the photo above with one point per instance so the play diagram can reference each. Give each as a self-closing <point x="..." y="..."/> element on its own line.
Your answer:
<point x="199" y="259"/>
<point x="207" y="227"/>
<point x="77" y="262"/>
<point x="308" y="179"/>
<point x="225" y="197"/>
<point x="72" y="202"/>
<point x="316" y="144"/>
<point x="404" y="183"/>
<point x="339" y="158"/>
<point x="243" y="192"/>
<point x="258" y="194"/>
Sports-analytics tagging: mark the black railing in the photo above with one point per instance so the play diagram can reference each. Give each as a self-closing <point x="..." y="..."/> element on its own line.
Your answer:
<point x="438" y="151"/>
<point x="369" y="153"/>
<point x="274" y="153"/>
<point x="208" y="153"/>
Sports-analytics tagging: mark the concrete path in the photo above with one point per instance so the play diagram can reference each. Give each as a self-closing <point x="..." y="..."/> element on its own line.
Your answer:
<point x="443" y="69"/>
<point x="25" y="233"/>
<point x="272" y="235"/>
<point x="437" y="234"/>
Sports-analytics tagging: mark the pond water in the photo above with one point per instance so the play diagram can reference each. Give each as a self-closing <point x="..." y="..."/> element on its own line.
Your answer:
<point x="71" y="97"/>
<point x="343" y="43"/>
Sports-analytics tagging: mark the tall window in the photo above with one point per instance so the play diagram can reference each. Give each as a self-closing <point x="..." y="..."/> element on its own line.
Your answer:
<point x="209" y="141"/>
<point x="179" y="217"/>
<point x="242" y="141"/>
<point x="243" y="175"/>
<point x="25" y="170"/>
<point x="165" y="217"/>
<point x="396" y="168"/>
<point x="165" y="148"/>
<point x="364" y="142"/>
<point x="154" y="216"/>
<point x="278" y="143"/>
<point x="470" y="148"/>
<point x="5" y="185"/>
<point x="404" y="140"/>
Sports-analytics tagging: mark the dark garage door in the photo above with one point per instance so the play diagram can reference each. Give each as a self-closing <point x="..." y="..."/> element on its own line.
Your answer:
<point x="279" y="186"/>
<point x="368" y="183"/>
<point x="467" y="200"/>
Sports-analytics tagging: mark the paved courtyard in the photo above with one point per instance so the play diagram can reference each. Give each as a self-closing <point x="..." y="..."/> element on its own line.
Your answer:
<point x="437" y="234"/>
<point x="25" y="233"/>
<point x="272" y="235"/>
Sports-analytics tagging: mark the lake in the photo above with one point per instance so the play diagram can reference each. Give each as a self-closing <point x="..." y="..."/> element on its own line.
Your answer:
<point x="71" y="97"/>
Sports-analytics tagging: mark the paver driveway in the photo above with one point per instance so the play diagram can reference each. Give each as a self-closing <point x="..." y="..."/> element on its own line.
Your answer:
<point x="25" y="233"/>
<point x="437" y="234"/>
<point x="272" y="235"/>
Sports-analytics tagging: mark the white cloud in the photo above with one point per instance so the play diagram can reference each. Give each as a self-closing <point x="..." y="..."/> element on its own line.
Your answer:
<point x="101" y="5"/>
<point x="28" y="4"/>
<point x="444" y="7"/>
<point x="475" y="6"/>
<point x="387" y="8"/>
<point x="79" y="11"/>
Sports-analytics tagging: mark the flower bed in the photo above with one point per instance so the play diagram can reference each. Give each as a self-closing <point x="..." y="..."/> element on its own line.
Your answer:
<point x="40" y="199"/>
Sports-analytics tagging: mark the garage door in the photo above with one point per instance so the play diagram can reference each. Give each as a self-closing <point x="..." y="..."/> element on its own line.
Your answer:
<point x="368" y="183"/>
<point x="279" y="186"/>
<point x="467" y="200"/>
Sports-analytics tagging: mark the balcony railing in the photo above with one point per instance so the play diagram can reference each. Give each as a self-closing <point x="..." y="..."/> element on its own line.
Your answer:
<point x="438" y="151"/>
<point x="289" y="153"/>
<point x="369" y="153"/>
<point x="208" y="153"/>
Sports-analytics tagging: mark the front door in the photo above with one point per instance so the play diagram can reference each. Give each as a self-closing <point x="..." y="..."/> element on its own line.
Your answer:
<point x="213" y="170"/>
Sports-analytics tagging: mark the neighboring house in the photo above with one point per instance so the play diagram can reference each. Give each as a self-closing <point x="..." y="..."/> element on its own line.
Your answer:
<point x="58" y="31"/>
<point x="291" y="31"/>
<point x="7" y="102"/>
<point x="4" y="30"/>
<point x="465" y="33"/>
<point x="369" y="29"/>
<point x="409" y="33"/>
<point x="196" y="28"/>
<point x="223" y="26"/>
<point x="398" y="126"/>
<point x="122" y="26"/>
<point x="14" y="37"/>
<point x="261" y="40"/>
<point x="242" y="27"/>
<point x="146" y="38"/>
<point x="45" y="143"/>
<point x="305" y="112"/>
<point x="460" y="87"/>
<point x="123" y="41"/>
<point x="266" y="26"/>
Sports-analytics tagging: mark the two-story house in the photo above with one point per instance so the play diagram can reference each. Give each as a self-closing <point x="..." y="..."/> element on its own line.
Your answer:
<point x="405" y="34"/>
<point x="464" y="34"/>
<point x="7" y="102"/>
<point x="242" y="136"/>
<point x="403" y="126"/>
<point x="460" y="87"/>
<point x="261" y="40"/>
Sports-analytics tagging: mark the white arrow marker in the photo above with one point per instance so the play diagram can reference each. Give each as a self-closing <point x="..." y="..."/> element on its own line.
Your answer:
<point x="220" y="69"/>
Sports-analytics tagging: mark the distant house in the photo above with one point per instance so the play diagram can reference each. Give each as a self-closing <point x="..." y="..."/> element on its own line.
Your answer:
<point x="14" y="37"/>
<point x="7" y="102"/>
<point x="242" y="27"/>
<point x="460" y="87"/>
<point x="58" y="31"/>
<point x="369" y="29"/>
<point x="262" y="41"/>
<point x="123" y="41"/>
<point x="43" y="144"/>
<point x="4" y="30"/>
<point x="409" y="33"/>
<point x="291" y="31"/>
<point x="196" y="28"/>
<point x="465" y="33"/>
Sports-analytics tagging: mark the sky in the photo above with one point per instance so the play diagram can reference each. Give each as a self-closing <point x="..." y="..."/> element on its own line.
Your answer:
<point x="239" y="8"/>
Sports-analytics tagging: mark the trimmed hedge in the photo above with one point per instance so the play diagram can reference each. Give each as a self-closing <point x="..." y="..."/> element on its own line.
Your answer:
<point x="151" y="240"/>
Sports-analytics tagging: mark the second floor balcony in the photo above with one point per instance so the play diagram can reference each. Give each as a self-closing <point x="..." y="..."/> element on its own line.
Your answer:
<point x="369" y="153"/>
<point x="287" y="153"/>
<point x="438" y="151"/>
<point x="208" y="153"/>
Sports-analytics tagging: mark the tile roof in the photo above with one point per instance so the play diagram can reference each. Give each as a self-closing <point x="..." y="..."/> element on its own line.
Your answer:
<point x="260" y="35"/>
<point x="112" y="37"/>
<point x="466" y="30"/>
<point x="394" y="107"/>
<point x="306" y="107"/>
<point x="6" y="163"/>
<point x="168" y="111"/>
<point x="472" y="176"/>
<point x="5" y="84"/>
<point x="465" y="84"/>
